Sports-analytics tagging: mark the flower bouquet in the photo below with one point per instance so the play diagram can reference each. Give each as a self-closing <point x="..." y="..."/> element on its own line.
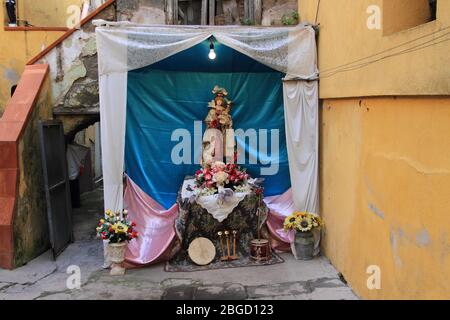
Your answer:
<point x="303" y="224"/>
<point x="215" y="179"/>
<point x="117" y="230"/>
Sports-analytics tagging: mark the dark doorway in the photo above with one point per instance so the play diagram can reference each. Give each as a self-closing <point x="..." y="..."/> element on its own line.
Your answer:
<point x="57" y="189"/>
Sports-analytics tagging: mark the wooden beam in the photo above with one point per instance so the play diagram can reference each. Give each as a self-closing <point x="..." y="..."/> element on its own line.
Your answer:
<point x="249" y="10"/>
<point x="212" y="12"/>
<point x="258" y="11"/>
<point x="172" y="11"/>
<point x="169" y="11"/>
<point x="204" y="20"/>
<point x="182" y="16"/>
<point x="190" y="13"/>
<point x="76" y="111"/>
<point x="219" y="7"/>
<point x="175" y="11"/>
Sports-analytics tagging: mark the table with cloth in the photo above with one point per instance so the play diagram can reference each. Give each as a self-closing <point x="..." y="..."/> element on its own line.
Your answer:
<point x="204" y="217"/>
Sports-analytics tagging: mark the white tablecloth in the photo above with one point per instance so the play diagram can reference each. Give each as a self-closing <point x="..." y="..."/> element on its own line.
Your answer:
<point x="218" y="209"/>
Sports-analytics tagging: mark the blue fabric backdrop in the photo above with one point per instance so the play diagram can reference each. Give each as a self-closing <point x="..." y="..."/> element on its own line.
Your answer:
<point x="174" y="93"/>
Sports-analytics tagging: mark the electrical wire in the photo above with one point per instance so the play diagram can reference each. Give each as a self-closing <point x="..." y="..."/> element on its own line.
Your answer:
<point x="387" y="50"/>
<point x="352" y="66"/>
<point x="317" y="13"/>
<point x="380" y="59"/>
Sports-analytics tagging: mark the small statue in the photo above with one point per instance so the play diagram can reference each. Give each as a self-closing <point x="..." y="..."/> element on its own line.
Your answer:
<point x="218" y="139"/>
<point x="219" y="116"/>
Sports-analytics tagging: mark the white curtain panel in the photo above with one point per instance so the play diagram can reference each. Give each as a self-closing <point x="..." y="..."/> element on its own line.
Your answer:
<point x="123" y="46"/>
<point x="302" y="138"/>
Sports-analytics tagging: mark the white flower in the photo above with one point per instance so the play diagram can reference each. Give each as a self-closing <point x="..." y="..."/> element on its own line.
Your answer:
<point x="220" y="165"/>
<point x="207" y="191"/>
<point x="220" y="177"/>
<point x="243" y="189"/>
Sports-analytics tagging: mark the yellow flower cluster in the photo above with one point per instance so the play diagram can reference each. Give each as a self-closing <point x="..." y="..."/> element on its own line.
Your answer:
<point x="120" y="227"/>
<point x="302" y="221"/>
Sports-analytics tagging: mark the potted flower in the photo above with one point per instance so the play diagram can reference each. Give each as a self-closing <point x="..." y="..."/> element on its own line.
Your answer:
<point x="303" y="224"/>
<point x="118" y="231"/>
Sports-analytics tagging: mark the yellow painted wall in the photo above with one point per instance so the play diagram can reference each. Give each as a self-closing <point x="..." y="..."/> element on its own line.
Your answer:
<point x="385" y="183"/>
<point x="384" y="150"/>
<point x="46" y="13"/>
<point x="345" y="38"/>
<point x="18" y="47"/>
<point x="418" y="13"/>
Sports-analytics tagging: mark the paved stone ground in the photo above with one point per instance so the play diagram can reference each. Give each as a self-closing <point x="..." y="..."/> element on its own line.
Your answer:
<point x="45" y="279"/>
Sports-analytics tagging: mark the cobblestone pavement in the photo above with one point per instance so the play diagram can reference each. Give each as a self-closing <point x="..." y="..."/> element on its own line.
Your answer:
<point x="46" y="279"/>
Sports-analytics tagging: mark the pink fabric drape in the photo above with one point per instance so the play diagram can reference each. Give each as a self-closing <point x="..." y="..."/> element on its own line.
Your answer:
<point x="154" y="224"/>
<point x="280" y="207"/>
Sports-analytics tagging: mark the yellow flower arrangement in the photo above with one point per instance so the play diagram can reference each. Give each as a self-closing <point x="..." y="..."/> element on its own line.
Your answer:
<point x="109" y="213"/>
<point x="116" y="228"/>
<point x="302" y="222"/>
<point x="120" y="227"/>
<point x="290" y="222"/>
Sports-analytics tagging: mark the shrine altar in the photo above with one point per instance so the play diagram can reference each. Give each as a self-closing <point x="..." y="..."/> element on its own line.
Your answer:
<point x="195" y="221"/>
<point x="155" y="90"/>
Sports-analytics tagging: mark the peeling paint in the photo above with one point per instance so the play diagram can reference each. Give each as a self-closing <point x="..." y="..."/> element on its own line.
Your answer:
<point x="445" y="244"/>
<point x="75" y="72"/>
<point x="68" y="43"/>
<point x="423" y="238"/>
<point x="377" y="211"/>
<point x="12" y="75"/>
<point x="89" y="47"/>
<point x="394" y="239"/>
<point x="416" y="165"/>
<point x="146" y="14"/>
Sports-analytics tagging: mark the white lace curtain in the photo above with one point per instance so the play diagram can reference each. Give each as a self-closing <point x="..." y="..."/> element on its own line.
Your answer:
<point x="124" y="46"/>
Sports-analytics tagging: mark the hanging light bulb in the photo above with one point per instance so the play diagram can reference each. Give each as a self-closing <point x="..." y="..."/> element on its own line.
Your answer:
<point x="212" y="53"/>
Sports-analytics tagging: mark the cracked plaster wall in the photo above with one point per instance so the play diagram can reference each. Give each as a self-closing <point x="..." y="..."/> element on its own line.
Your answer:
<point x="385" y="177"/>
<point x="74" y="76"/>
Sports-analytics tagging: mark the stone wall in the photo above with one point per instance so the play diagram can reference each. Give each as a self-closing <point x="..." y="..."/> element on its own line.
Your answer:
<point x="141" y="11"/>
<point x="274" y="10"/>
<point x="230" y="12"/>
<point x="31" y="234"/>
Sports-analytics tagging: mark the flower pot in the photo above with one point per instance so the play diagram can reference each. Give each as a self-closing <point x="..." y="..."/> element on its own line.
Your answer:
<point x="304" y="245"/>
<point x="116" y="254"/>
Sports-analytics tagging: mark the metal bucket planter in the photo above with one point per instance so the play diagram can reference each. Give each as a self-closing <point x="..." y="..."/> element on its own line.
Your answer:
<point x="116" y="254"/>
<point x="304" y="245"/>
